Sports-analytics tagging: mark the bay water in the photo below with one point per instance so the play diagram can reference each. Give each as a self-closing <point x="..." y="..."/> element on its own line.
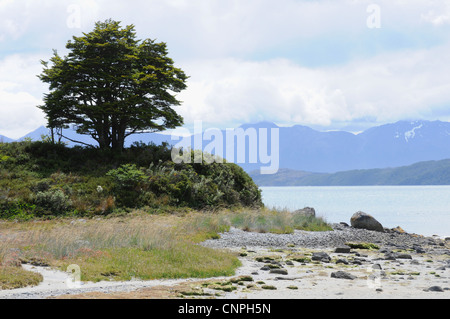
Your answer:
<point x="423" y="210"/>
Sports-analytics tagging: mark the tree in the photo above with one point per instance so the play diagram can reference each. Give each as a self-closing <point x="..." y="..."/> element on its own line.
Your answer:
<point x="112" y="85"/>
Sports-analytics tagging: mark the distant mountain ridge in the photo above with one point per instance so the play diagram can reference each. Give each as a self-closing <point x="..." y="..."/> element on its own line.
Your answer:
<point x="392" y="145"/>
<point x="422" y="173"/>
<point x="302" y="148"/>
<point x="4" y="139"/>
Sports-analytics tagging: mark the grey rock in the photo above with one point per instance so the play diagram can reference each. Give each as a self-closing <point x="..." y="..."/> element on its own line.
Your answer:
<point x="342" y="249"/>
<point x="435" y="289"/>
<point x="342" y="275"/>
<point x="321" y="256"/>
<point x="287" y="278"/>
<point x="376" y="266"/>
<point x="390" y="256"/>
<point x="279" y="271"/>
<point x="307" y="211"/>
<point x="419" y="249"/>
<point x="403" y="256"/>
<point x="365" y="221"/>
<point x="342" y="261"/>
<point x="432" y="242"/>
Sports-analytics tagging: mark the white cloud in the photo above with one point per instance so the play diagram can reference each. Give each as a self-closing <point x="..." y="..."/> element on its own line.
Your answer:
<point x="388" y="87"/>
<point x="240" y="58"/>
<point x="20" y="92"/>
<point x="18" y="114"/>
<point x="438" y="14"/>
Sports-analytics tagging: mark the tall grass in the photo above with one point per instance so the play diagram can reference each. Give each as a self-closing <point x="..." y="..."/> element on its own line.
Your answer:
<point x="139" y="245"/>
<point x="257" y="220"/>
<point x="136" y="246"/>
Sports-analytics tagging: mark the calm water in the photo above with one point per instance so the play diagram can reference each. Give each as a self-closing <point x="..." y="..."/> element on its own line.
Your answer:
<point x="417" y="209"/>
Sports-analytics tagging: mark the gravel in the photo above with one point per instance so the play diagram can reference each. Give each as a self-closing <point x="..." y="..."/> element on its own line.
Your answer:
<point x="55" y="282"/>
<point x="340" y="235"/>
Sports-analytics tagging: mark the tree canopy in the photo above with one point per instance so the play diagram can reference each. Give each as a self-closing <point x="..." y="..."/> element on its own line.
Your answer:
<point x="112" y="85"/>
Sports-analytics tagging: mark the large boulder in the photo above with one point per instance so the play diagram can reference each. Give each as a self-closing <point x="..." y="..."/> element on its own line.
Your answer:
<point x="365" y="221"/>
<point x="307" y="211"/>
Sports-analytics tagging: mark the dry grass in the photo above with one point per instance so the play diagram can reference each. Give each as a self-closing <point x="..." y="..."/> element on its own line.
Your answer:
<point x="135" y="246"/>
<point x="256" y="220"/>
<point x="139" y="245"/>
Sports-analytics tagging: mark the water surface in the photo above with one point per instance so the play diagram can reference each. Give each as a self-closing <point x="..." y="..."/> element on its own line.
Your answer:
<point x="423" y="210"/>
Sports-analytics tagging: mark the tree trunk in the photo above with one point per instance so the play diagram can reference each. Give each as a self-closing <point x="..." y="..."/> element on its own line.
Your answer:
<point x="118" y="136"/>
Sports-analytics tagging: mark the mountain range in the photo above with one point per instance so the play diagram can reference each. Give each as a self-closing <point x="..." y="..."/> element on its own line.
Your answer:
<point x="422" y="173"/>
<point x="391" y="145"/>
<point x="305" y="150"/>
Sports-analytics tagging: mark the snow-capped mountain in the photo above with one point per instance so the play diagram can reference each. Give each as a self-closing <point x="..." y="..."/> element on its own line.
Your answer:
<point x="391" y="145"/>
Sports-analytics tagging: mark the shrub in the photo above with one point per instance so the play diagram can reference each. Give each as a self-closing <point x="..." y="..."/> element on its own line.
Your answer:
<point x="197" y="185"/>
<point x="17" y="210"/>
<point x="127" y="179"/>
<point x="53" y="179"/>
<point x="54" y="201"/>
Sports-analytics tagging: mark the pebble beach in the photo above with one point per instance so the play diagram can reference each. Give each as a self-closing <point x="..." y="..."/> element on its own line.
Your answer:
<point x="340" y="264"/>
<point x="331" y="265"/>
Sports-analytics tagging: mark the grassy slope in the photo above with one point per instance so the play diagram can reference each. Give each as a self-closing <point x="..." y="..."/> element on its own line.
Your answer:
<point x="132" y="215"/>
<point x="39" y="179"/>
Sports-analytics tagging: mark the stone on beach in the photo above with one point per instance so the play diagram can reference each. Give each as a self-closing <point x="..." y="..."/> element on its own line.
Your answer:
<point x="365" y="221"/>
<point x="342" y="275"/>
<point x="344" y="249"/>
<point x="307" y="211"/>
<point x="435" y="289"/>
<point x="279" y="271"/>
<point x="321" y="256"/>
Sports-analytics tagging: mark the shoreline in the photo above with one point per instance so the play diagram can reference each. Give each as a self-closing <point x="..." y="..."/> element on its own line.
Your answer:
<point x="303" y="265"/>
<point x="340" y="234"/>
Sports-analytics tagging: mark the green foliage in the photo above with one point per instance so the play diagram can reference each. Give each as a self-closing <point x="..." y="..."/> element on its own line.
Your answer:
<point x="127" y="179"/>
<point x="17" y="210"/>
<point x="369" y="246"/>
<point x="112" y="85"/>
<point x="53" y="201"/>
<point x="274" y="221"/>
<point x="194" y="185"/>
<point x="127" y="176"/>
<point x="41" y="179"/>
<point x="17" y="277"/>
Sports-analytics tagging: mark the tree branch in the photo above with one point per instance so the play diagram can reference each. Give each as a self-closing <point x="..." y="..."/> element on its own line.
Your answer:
<point x="140" y="132"/>
<point x="74" y="141"/>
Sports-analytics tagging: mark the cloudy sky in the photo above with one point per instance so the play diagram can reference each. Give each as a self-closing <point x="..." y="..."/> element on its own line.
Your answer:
<point x="328" y="64"/>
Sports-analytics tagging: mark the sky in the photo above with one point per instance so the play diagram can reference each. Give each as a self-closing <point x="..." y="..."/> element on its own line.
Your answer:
<point x="327" y="64"/>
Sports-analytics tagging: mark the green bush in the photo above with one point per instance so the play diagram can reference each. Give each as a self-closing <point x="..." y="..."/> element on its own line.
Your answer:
<point x="127" y="179"/>
<point x="53" y="201"/>
<point x="53" y="179"/>
<point x="18" y="210"/>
